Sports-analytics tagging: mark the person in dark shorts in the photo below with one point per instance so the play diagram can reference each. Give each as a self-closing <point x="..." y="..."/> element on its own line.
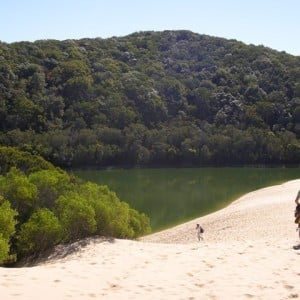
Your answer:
<point x="297" y="212"/>
<point x="200" y="231"/>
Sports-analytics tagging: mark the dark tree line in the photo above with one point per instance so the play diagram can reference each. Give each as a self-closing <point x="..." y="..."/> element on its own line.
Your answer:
<point x="150" y="98"/>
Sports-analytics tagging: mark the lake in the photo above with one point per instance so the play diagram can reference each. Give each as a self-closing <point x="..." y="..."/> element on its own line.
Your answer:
<point x="173" y="196"/>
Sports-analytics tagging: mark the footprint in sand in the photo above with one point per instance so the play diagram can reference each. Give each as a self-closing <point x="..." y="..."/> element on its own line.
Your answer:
<point x="210" y="266"/>
<point x="91" y="295"/>
<point x="288" y="287"/>
<point x="114" y="286"/>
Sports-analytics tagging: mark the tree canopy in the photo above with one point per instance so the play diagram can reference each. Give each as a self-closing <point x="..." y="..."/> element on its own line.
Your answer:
<point x="150" y="98"/>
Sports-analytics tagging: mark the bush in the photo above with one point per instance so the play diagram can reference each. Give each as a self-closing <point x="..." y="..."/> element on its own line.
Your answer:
<point x="7" y="219"/>
<point x="76" y="216"/>
<point x="41" y="232"/>
<point x="50" y="184"/>
<point x="7" y="230"/>
<point x="114" y="217"/>
<point x="4" y="250"/>
<point x="26" y="162"/>
<point x="140" y="223"/>
<point x="52" y="206"/>
<point x="21" y="194"/>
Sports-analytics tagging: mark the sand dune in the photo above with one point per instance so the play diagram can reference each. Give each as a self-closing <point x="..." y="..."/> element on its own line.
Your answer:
<point x="246" y="254"/>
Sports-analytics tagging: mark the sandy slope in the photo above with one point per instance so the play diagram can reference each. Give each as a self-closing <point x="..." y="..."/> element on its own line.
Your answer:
<point x="246" y="254"/>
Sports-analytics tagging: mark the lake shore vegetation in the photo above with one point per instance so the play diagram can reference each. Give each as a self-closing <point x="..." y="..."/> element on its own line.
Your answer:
<point x="150" y="99"/>
<point x="45" y="207"/>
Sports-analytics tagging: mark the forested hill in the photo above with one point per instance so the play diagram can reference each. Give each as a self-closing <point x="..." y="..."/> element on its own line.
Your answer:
<point x="150" y="99"/>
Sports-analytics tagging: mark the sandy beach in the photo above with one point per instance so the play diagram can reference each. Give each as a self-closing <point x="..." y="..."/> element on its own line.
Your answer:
<point x="246" y="254"/>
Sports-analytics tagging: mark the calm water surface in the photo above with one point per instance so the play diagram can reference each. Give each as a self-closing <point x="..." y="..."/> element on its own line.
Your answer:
<point x="173" y="196"/>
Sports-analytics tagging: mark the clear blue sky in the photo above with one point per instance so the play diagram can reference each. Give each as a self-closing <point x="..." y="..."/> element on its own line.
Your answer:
<point x="272" y="23"/>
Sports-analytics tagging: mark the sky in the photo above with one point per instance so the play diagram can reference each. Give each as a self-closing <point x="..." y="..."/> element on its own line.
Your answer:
<point x="272" y="23"/>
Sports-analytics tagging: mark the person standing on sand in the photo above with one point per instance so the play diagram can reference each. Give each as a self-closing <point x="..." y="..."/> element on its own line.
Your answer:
<point x="200" y="231"/>
<point x="297" y="198"/>
<point x="297" y="212"/>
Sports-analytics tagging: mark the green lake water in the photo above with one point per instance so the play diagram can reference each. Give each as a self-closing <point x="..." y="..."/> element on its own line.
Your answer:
<point x="173" y="196"/>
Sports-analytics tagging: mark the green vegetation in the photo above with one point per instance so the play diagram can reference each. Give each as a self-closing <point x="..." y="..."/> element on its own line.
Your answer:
<point x="150" y="98"/>
<point x="7" y="229"/>
<point x="24" y="161"/>
<point x="40" y="209"/>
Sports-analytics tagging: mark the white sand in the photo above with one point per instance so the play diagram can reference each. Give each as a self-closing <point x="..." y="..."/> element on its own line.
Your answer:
<point x="247" y="253"/>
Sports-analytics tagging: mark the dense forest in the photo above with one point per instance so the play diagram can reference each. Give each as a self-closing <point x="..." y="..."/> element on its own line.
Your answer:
<point x="42" y="205"/>
<point x="150" y="99"/>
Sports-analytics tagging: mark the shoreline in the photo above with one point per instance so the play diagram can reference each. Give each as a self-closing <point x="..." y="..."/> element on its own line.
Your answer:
<point x="234" y="217"/>
<point x="246" y="254"/>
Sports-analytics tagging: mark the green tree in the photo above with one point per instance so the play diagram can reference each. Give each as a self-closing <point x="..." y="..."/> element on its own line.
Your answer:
<point x="77" y="88"/>
<point x="41" y="232"/>
<point x="24" y="113"/>
<point x="4" y="250"/>
<point x="8" y="224"/>
<point x="267" y="111"/>
<point x="20" y="192"/>
<point x="73" y="68"/>
<point x="37" y="83"/>
<point x="297" y="113"/>
<point x="24" y="161"/>
<point x="76" y="215"/>
<point x="292" y="152"/>
<point x="139" y="223"/>
<point x="114" y="217"/>
<point x="175" y="94"/>
<point x="8" y="220"/>
<point x="50" y="185"/>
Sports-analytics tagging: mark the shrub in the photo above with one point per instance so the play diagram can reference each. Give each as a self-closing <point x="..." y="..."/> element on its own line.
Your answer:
<point x="76" y="216"/>
<point x="7" y="220"/>
<point x="140" y="223"/>
<point x="114" y="217"/>
<point x="4" y="250"/>
<point x="41" y="232"/>
<point x="7" y="230"/>
<point x="50" y="184"/>
<point x="51" y="207"/>
<point x="21" y="194"/>
<point x="12" y="157"/>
